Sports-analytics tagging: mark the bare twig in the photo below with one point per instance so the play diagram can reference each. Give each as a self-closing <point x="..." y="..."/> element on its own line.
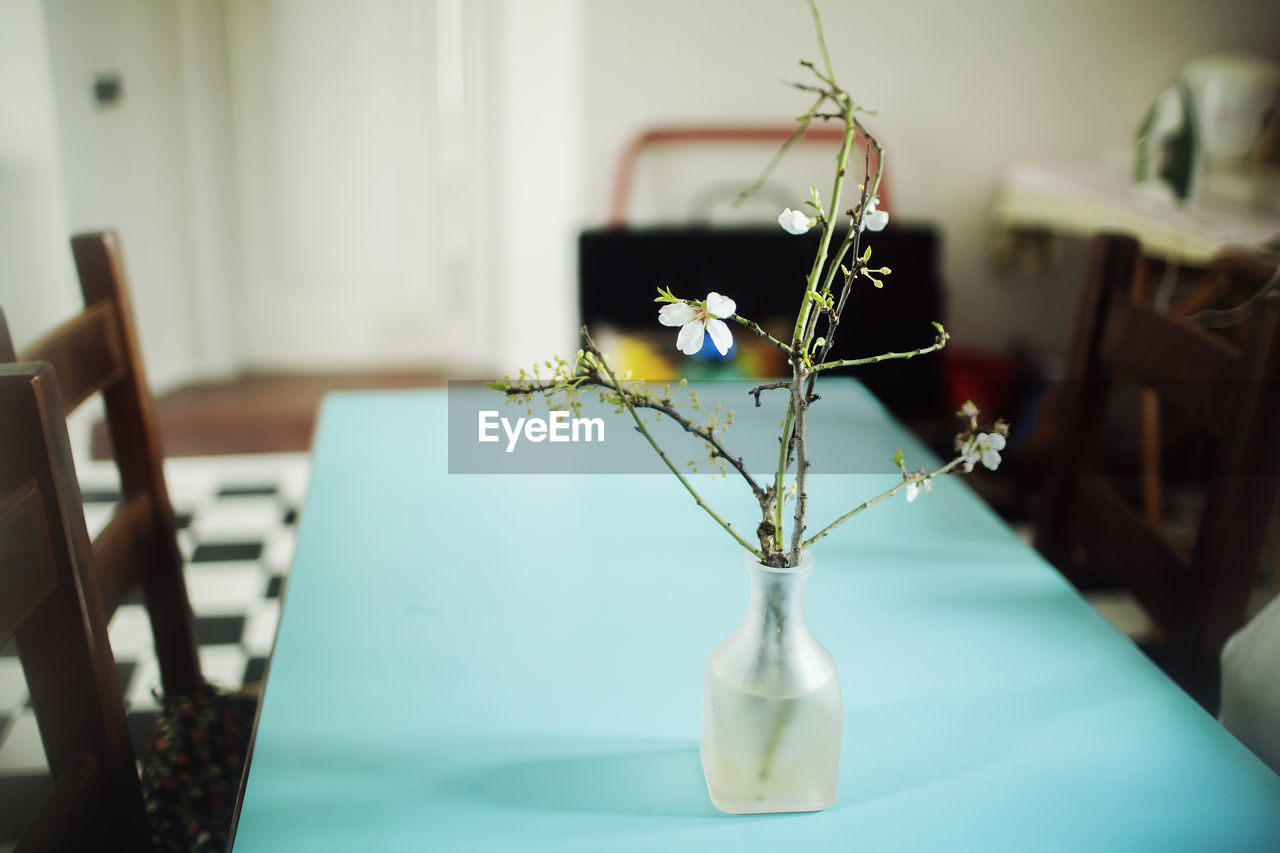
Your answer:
<point x="709" y="436"/>
<point x="609" y="383"/>
<point x="801" y="406"/>
<point x="768" y="386"/>
<point x="801" y="127"/>
<point x="590" y="346"/>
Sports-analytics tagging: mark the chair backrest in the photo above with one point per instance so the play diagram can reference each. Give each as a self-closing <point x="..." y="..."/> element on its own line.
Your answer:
<point x="1233" y="392"/>
<point x="97" y="351"/>
<point x="96" y="801"/>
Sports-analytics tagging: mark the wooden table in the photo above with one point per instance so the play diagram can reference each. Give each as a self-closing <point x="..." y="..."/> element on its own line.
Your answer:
<point x="514" y="662"/>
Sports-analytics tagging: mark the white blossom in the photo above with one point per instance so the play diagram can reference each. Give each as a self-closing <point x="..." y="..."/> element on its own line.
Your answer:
<point x="984" y="447"/>
<point x="794" y="221"/>
<point x="694" y="322"/>
<point x="874" y="219"/>
<point x="916" y="486"/>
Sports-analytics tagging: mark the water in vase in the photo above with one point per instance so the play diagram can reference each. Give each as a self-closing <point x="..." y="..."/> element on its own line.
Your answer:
<point x="774" y="753"/>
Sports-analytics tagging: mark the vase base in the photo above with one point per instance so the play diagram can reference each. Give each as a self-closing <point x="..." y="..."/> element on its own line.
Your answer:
<point x="767" y="806"/>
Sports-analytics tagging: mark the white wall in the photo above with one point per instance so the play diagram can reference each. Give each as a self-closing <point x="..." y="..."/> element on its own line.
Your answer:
<point x="38" y="287"/>
<point x="217" y="302"/>
<point x="407" y="180"/>
<point x="962" y="89"/>
<point x="126" y="166"/>
<point x="536" y="179"/>
<point x="450" y="171"/>
<point x="37" y="279"/>
<point x="334" y="123"/>
<point x="328" y="184"/>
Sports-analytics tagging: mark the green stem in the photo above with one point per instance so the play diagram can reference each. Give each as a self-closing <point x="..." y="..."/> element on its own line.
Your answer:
<point x="822" y="41"/>
<point x="852" y="240"/>
<point x="773" y="634"/>
<point x="775" y="736"/>
<point x="824" y="245"/>
<point x="802" y="333"/>
<point x="755" y="327"/>
<point x="875" y="359"/>
<point x="779" y="492"/>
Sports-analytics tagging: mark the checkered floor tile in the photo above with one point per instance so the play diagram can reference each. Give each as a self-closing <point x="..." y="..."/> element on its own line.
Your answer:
<point x="238" y="521"/>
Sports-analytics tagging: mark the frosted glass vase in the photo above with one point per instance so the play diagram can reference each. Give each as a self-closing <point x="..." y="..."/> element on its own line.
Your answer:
<point x="771" y="708"/>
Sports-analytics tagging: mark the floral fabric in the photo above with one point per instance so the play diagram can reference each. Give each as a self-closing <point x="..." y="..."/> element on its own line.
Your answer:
<point x="191" y="775"/>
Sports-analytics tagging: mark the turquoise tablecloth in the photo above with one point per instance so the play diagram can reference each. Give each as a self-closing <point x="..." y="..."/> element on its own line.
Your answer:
<point x="513" y="662"/>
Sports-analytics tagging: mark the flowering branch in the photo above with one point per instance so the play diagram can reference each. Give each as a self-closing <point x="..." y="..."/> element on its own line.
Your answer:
<point x="794" y="427"/>
<point x="888" y="493"/>
<point x="592" y="370"/>
<point x="972" y="446"/>
<point x="808" y="353"/>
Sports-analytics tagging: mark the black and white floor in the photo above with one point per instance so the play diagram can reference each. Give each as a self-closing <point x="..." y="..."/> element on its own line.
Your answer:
<point x="238" y="521"/>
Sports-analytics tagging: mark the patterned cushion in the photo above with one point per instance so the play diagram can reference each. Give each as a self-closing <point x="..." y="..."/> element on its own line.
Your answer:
<point x="191" y="775"/>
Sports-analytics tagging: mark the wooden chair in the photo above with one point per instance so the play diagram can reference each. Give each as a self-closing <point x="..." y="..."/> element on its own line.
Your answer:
<point x="1212" y="301"/>
<point x="96" y="802"/>
<point x="1231" y="391"/>
<point x="97" y="351"/>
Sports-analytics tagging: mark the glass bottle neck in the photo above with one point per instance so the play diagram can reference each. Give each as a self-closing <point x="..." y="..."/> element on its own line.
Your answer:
<point x="776" y="603"/>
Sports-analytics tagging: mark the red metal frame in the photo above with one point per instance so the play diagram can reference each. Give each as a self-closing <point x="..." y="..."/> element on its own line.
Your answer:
<point x="779" y="134"/>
